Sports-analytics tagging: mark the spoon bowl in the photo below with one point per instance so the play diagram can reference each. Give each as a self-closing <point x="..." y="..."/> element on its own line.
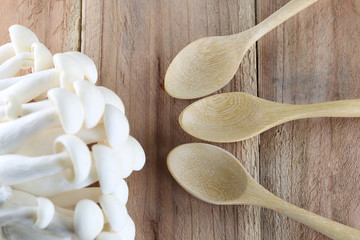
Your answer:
<point x="222" y="183"/>
<point x="216" y="176"/>
<point x="208" y="64"/>
<point x="237" y="116"/>
<point x="204" y="66"/>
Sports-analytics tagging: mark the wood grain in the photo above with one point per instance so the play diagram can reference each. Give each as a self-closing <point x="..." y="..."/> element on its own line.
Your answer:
<point x="311" y="58"/>
<point x="314" y="57"/>
<point x="133" y="43"/>
<point x="56" y="23"/>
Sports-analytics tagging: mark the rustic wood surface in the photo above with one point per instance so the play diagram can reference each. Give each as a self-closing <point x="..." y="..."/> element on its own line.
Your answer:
<point x="311" y="58"/>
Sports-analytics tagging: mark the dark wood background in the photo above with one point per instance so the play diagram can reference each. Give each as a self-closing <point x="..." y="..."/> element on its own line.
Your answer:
<point x="313" y="57"/>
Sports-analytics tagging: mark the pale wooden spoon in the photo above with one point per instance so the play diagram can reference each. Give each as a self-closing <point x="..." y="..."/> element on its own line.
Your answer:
<point x="236" y="116"/>
<point x="215" y="176"/>
<point x="208" y="64"/>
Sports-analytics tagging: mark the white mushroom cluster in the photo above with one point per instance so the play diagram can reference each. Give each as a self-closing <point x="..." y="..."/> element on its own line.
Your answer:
<point x="60" y="133"/>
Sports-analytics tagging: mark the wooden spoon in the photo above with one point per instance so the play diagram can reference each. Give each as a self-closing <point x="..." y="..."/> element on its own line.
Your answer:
<point x="236" y="116"/>
<point x="208" y="64"/>
<point x="215" y="176"/>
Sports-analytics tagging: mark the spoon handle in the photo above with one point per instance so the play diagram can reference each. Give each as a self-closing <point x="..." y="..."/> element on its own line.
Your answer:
<point x="332" y="229"/>
<point x="343" y="108"/>
<point x="287" y="11"/>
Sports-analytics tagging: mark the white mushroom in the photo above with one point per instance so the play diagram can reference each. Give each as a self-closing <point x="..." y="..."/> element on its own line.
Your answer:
<point x="43" y="58"/>
<point x="11" y="67"/>
<point x="22" y="38"/>
<point x="128" y="233"/>
<point x="115" y="211"/>
<point x="69" y="199"/>
<point x="70" y="152"/>
<point x="20" y="231"/>
<point x="29" y="87"/>
<point x="112" y="98"/>
<point x="28" y="53"/>
<point x="6" y="52"/>
<point x="93" y="102"/>
<point x="41" y="214"/>
<point x="55" y="184"/>
<point x="121" y="192"/>
<point x="9" y="113"/>
<point x="108" y="167"/>
<point x="116" y="126"/>
<point x="66" y="109"/>
<point x="88" y="219"/>
<point x="62" y="223"/>
<point x="87" y="65"/>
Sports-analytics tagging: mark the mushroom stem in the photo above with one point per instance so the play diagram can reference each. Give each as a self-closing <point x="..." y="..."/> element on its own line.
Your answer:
<point x="12" y="66"/>
<point x="6" y="52"/>
<point x="62" y="223"/>
<point x="41" y="214"/>
<point x="23" y="231"/>
<point x="69" y="199"/>
<point x="15" y="169"/>
<point x="14" y="134"/>
<point x="26" y="108"/>
<point x="55" y="184"/>
<point x="32" y="85"/>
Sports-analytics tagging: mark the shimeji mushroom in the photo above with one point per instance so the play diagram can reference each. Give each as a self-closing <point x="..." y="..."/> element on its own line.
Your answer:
<point x="67" y="110"/>
<point x="55" y="184"/>
<point x="21" y="231"/>
<point x="128" y="233"/>
<point x="10" y="113"/>
<point x="112" y="98"/>
<point x="25" y="88"/>
<point x="88" y="219"/>
<point x="70" y="152"/>
<point x="6" y="52"/>
<point x="12" y="66"/>
<point x="41" y="215"/>
<point x="41" y="143"/>
<point x="115" y="212"/>
<point x="29" y="52"/>
<point x="32" y="85"/>
<point x="71" y="198"/>
<point x="93" y="102"/>
<point x="108" y="166"/>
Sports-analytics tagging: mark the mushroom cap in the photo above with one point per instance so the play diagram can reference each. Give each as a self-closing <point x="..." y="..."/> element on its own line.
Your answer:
<point x="112" y="98"/>
<point x="122" y="191"/>
<point x="70" y="69"/>
<point x="108" y="166"/>
<point x="116" y="126"/>
<point x="43" y="58"/>
<point x="45" y="213"/>
<point x="115" y="211"/>
<point x="87" y="64"/>
<point x="128" y="233"/>
<point x="88" y="219"/>
<point x="22" y="38"/>
<point x="93" y="102"/>
<point x="137" y="153"/>
<point x="125" y="154"/>
<point x="70" y="110"/>
<point x="79" y="155"/>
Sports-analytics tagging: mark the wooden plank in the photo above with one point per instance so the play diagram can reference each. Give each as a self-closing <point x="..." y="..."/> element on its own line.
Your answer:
<point x="133" y="42"/>
<point x="56" y="23"/>
<point x="313" y="57"/>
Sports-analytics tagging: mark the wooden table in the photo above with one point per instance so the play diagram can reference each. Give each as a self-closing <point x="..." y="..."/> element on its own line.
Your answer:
<point x="313" y="57"/>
